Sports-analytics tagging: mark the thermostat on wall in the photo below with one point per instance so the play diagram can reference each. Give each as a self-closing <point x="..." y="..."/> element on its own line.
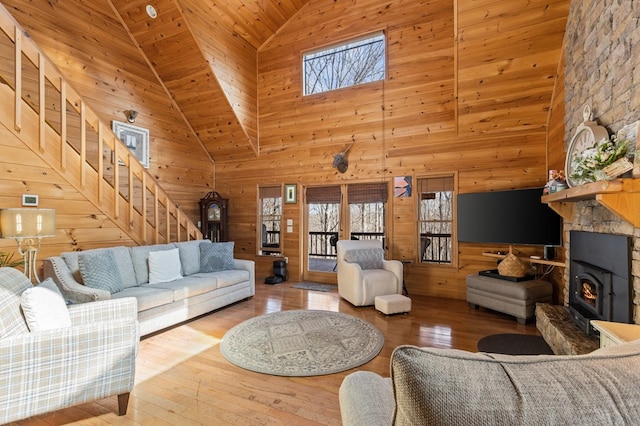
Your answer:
<point x="29" y="200"/>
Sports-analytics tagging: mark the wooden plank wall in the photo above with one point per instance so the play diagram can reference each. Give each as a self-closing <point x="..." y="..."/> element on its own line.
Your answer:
<point x="468" y="91"/>
<point x="80" y="225"/>
<point x="477" y="107"/>
<point x="556" y="150"/>
<point x="94" y="52"/>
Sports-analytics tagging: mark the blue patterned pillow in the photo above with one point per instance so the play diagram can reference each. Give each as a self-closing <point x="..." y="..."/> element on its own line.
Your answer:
<point x="98" y="271"/>
<point x="370" y="258"/>
<point x="216" y="257"/>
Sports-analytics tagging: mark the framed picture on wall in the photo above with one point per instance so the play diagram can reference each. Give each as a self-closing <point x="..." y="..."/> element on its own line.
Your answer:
<point x="135" y="138"/>
<point x="290" y="195"/>
<point x="402" y="186"/>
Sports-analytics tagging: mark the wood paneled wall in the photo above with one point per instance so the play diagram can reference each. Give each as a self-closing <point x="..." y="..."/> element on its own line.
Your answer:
<point x="98" y="57"/>
<point x="556" y="150"/>
<point x="469" y="90"/>
<point x="80" y="225"/>
<point x="466" y="92"/>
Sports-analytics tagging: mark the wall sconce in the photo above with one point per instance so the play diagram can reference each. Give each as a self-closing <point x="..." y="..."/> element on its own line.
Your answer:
<point x="28" y="226"/>
<point x="131" y="116"/>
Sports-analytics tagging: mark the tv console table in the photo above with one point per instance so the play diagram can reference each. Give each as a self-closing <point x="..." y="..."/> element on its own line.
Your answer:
<point x="529" y="259"/>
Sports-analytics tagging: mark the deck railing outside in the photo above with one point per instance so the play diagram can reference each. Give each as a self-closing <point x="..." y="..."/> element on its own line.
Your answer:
<point x="435" y="248"/>
<point x="320" y="243"/>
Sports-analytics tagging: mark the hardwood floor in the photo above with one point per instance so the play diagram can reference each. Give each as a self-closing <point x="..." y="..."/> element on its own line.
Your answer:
<point x="183" y="379"/>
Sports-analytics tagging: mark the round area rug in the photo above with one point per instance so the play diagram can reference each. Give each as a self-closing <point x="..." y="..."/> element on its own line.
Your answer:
<point x="514" y="344"/>
<point x="301" y="343"/>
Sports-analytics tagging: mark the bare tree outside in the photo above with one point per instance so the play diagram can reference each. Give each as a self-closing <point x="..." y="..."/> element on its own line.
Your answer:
<point x="271" y="214"/>
<point x="324" y="205"/>
<point x="349" y="64"/>
<point x="270" y="220"/>
<point x="324" y="222"/>
<point x="436" y="220"/>
<point x="367" y="220"/>
<point x="324" y="217"/>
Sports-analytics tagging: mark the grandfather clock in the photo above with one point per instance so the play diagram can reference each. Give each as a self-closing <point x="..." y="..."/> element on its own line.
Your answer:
<point x="213" y="217"/>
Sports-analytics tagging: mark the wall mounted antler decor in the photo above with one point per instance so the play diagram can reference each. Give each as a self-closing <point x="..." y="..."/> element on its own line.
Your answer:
<point x="340" y="160"/>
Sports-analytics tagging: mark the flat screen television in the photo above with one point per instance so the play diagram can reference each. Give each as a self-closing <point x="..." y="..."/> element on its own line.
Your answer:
<point x="515" y="217"/>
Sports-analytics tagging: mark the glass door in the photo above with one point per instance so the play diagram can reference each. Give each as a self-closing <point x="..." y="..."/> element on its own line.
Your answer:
<point x="323" y="219"/>
<point x="351" y="211"/>
<point x="367" y="211"/>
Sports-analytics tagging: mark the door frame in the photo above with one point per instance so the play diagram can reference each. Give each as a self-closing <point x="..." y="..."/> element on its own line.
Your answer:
<point x="345" y="227"/>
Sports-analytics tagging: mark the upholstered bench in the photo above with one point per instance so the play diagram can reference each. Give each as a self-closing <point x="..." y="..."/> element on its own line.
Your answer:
<point x="514" y="298"/>
<point x="392" y="304"/>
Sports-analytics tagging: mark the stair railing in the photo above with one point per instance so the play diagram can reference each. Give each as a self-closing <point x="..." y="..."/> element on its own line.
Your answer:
<point x="50" y="117"/>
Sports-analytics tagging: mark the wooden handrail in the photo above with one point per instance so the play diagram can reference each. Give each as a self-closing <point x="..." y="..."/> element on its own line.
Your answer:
<point x="111" y="188"/>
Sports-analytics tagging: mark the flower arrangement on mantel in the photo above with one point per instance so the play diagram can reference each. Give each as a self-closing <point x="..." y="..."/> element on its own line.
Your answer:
<point x="606" y="159"/>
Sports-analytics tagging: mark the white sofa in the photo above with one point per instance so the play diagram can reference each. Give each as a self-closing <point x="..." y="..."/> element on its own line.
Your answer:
<point x="160" y="304"/>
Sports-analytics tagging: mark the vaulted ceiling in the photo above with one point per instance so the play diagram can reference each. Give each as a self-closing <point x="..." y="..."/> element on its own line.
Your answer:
<point x="198" y="59"/>
<point x="205" y="54"/>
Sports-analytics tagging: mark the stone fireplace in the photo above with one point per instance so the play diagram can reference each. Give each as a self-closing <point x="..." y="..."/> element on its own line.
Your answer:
<point x="555" y="322"/>
<point x="601" y="49"/>
<point x="591" y="217"/>
<point x="599" y="279"/>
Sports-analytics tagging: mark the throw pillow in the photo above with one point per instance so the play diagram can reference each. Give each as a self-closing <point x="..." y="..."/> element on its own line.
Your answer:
<point x="120" y="254"/>
<point x="44" y="307"/>
<point x="140" y="259"/>
<point x="216" y="257"/>
<point x="190" y="255"/>
<point x="99" y="270"/>
<point x="369" y="258"/>
<point x="14" y="283"/>
<point x="164" y="266"/>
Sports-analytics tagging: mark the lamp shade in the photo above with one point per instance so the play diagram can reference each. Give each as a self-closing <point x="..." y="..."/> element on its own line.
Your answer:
<point x="27" y="223"/>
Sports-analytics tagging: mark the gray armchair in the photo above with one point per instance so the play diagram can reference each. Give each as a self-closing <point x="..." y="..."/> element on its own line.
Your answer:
<point x="363" y="273"/>
<point x="48" y="370"/>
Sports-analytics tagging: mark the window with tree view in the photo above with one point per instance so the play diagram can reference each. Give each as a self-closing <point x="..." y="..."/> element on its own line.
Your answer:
<point x="270" y="213"/>
<point x="355" y="62"/>
<point x="435" y="219"/>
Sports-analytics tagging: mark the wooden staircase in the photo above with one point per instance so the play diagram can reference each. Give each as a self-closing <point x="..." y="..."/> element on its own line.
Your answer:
<point x="48" y="116"/>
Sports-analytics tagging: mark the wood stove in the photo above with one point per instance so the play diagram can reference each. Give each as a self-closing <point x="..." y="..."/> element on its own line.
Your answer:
<point x="600" y="280"/>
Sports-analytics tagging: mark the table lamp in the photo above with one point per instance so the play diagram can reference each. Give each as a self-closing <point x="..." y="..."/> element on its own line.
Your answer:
<point x="28" y="226"/>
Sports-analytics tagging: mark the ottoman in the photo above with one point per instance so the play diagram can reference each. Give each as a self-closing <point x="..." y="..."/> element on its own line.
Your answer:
<point x="392" y="304"/>
<point x="514" y="298"/>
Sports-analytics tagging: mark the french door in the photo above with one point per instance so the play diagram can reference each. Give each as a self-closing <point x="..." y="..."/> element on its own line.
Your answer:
<point x="348" y="211"/>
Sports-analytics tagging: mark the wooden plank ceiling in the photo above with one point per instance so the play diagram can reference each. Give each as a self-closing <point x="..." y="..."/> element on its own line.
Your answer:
<point x="205" y="54"/>
<point x="500" y="58"/>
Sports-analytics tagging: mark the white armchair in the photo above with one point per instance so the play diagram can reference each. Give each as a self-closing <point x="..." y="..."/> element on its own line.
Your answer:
<point x="43" y="371"/>
<point x="363" y="273"/>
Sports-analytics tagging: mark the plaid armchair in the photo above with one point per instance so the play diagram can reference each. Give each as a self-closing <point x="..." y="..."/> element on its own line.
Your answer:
<point x="49" y="370"/>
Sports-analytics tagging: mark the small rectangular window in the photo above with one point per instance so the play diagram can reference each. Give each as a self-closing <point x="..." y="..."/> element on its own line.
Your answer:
<point x="355" y="62"/>
<point x="270" y="214"/>
<point x="435" y="198"/>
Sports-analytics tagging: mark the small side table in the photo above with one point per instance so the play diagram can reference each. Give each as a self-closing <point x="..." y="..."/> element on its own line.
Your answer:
<point x="616" y="333"/>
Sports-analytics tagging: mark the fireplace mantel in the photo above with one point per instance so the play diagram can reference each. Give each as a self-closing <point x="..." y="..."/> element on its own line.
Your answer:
<point x="621" y="196"/>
